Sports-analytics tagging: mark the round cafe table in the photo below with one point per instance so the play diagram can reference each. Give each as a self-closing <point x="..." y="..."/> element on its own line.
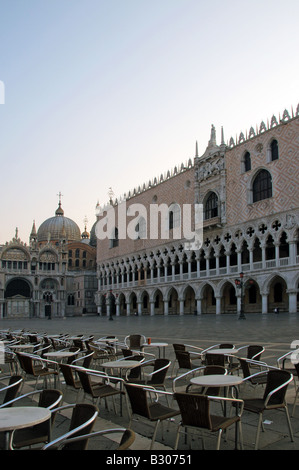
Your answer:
<point x="20" y="417"/>
<point x="217" y="380"/>
<point x="225" y="351"/>
<point x="156" y="345"/>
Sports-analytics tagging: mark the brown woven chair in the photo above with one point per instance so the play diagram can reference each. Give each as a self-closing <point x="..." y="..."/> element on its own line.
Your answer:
<point x="126" y="440"/>
<point x="11" y="390"/>
<point x="255" y="378"/>
<point x="141" y="405"/>
<point x="135" y="341"/>
<point x="196" y="415"/>
<point x="272" y="399"/>
<point x="71" y="382"/>
<point x="82" y="422"/>
<point x="35" y="367"/>
<point x="99" y="389"/>
<point x="185" y="361"/>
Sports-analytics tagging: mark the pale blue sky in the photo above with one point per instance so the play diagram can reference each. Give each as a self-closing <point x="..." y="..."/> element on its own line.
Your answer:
<point x="111" y="93"/>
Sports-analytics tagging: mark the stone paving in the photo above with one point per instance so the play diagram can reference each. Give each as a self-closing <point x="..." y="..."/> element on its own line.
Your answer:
<point x="275" y="332"/>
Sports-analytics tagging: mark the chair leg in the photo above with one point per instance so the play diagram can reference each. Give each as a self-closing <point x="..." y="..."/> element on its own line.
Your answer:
<point x="177" y="437"/>
<point x="154" y="435"/>
<point x="258" y="431"/>
<point x="289" y="423"/>
<point x="295" y="402"/>
<point x="219" y="439"/>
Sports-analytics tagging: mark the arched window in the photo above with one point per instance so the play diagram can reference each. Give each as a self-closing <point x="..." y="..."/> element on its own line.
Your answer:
<point x="174" y="216"/>
<point x="247" y="162"/>
<point x="211" y="207"/>
<point x="114" y="241"/>
<point x="262" y="186"/>
<point x="274" y="150"/>
<point x="141" y="229"/>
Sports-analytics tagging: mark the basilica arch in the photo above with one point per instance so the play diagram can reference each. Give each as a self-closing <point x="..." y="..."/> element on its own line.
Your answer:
<point x="18" y="298"/>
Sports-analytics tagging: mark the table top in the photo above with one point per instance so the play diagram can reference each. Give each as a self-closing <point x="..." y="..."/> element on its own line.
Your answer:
<point x="22" y="416"/>
<point x="223" y="351"/>
<point x="60" y="354"/>
<point x="216" y="380"/>
<point x="120" y="364"/>
<point x="158" y="345"/>
<point x="22" y="346"/>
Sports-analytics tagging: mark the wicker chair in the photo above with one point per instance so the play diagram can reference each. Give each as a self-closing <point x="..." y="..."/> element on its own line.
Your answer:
<point x="35" y="367"/>
<point x="272" y="399"/>
<point x="196" y="415"/>
<point x="135" y="341"/>
<point x="257" y="378"/>
<point x="143" y="406"/>
<point x="100" y="389"/>
<point x="11" y="390"/>
<point x="82" y="421"/>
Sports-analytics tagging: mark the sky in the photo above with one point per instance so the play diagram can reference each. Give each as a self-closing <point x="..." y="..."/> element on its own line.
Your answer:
<point x="101" y="94"/>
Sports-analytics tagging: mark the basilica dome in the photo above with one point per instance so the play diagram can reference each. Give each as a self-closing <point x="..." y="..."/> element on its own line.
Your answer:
<point x="58" y="227"/>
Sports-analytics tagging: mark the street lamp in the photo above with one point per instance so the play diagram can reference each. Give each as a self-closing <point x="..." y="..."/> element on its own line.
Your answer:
<point x="110" y="306"/>
<point x="240" y="285"/>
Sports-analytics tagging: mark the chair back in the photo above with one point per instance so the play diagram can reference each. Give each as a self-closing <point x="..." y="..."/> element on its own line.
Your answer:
<point x="51" y="399"/>
<point x="15" y="383"/>
<point x="26" y="363"/>
<point x="67" y="373"/>
<point x="194" y="409"/>
<point x="138" y="400"/>
<point x="159" y="377"/>
<point x="127" y="440"/>
<point x="135" y="341"/>
<point x="226" y="346"/>
<point x="87" y="359"/>
<point x="215" y="359"/>
<point x="183" y="358"/>
<point x="134" y="373"/>
<point x="179" y="347"/>
<point x="277" y="378"/>
<point x="83" y="416"/>
<point x="245" y="367"/>
<point x="254" y="352"/>
<point x="214" y="370"/>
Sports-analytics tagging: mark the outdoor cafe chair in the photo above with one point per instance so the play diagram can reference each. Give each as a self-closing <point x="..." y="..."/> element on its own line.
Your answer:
<point x="126" y="439"/>
<point x="273" y="399"/>
<point x="99" y="389"/>
<point x="135" y="341"/>
<point x="196" y="415"/>
<point x="142" y="405"/>
<point x="82" y="421"/>
<point x="11" y="390"/>
<point x="36" y="367"/>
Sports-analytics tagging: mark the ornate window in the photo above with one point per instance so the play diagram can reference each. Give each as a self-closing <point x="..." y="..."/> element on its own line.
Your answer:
<point x="247" y="162"/>
<point x="211" y="207"/>
<point x="114" y="241"/>
<point x="262" y="186"/>
<point x="274" y="150"/>
<point x="174" y="216"/>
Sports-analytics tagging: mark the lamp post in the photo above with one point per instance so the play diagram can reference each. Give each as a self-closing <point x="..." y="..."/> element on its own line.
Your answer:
<point x="240" y="285"/>
<point x="110" y="306"/>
